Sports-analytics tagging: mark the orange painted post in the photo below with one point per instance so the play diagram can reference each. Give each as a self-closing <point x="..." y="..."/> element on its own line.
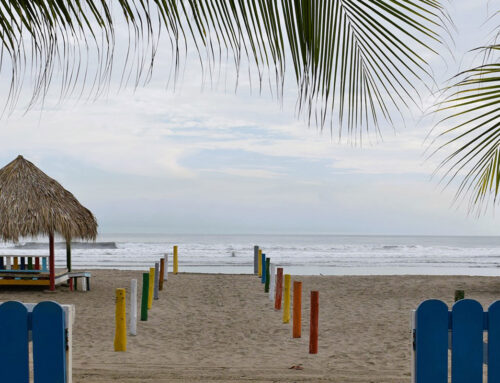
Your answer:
<point x="313" y="335"/>
<point x="162" y="273"/>
<point x="279" y="289"/>
<point x="297" y="309"/>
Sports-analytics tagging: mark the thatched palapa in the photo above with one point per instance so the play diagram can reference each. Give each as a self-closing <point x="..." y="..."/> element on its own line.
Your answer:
<point x="32" y="204"/>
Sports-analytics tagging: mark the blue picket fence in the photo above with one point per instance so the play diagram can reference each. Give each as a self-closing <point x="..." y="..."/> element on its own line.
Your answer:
<point x="45" y="327"/>
<point x="461" y="330"/>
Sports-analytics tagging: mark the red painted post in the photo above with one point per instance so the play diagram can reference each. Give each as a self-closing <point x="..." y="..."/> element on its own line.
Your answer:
<point x="297" y="309"/>
<point x="37" y="263"/>
<point x="313" y="335"/>
<point x="162" y="273"/>
<point x="52" y="267"/>
<point x="279" y="288"/>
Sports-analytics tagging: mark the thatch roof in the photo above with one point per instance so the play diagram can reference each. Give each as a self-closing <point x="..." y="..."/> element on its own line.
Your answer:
<point x="32" y="203"/>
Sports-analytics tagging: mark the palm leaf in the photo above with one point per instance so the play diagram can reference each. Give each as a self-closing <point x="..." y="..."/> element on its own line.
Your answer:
<point x="356" y="62"/>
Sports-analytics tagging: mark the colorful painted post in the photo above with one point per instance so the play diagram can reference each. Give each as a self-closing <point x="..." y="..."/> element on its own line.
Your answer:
<point x="121" y="323"/>
<point x="272" y="282"/>
<point x="145" y="296"/>
<point x="176" y="261"/>
<point x="263" y="276"/>
<point x="259" y="264"/>
<point x="37" y="263"/>
<point x="255" y="259"/>
<point x="313" y="335"/>
<point x="30" y="263"/>
<point x="162" y="273"/>
<point x="16" y="264"/>
<point x="286" y="299"/>
<point x="151" y="287"/>
<point x="268" y="275"/>
<point x="8" y="263"/>
<point x="297" y="309"/>
<point x="459" y="294"/>
<point x="279" y="288"/>
<point x="157" y="280"/>
<point x="166" y="266"/>
<point x="133" y="307"/>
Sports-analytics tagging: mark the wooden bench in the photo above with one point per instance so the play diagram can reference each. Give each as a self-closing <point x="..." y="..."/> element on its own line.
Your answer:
<point x="85" y="279"/>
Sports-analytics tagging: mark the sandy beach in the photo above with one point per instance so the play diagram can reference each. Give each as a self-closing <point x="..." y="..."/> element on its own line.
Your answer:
<point x="223" y="328"/>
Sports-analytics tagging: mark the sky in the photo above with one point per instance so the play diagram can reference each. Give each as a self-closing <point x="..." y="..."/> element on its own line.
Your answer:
<point x="202" y="159"/>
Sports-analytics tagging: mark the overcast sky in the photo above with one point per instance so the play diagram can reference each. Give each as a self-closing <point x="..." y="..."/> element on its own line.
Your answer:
<point x="212" y="161"/>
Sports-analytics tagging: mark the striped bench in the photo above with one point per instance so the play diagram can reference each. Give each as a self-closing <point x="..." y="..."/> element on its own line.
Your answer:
<point x="85" y="280"/>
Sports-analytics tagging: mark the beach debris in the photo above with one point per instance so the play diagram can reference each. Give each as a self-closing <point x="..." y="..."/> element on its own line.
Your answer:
<point x="296" y="367"/>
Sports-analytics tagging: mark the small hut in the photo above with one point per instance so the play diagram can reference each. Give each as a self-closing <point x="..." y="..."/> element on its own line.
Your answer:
<point x="33" y="204"/>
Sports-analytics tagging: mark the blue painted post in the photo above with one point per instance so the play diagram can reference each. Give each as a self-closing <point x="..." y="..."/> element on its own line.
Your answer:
<point x="431" y="354"/>
<point x="2" y="267"/>
<point x="44" y="264"/>
<point x="263" y="278"/>
<point x="23" y="263"/>
<point x="494" y="343"/>
<point x="14" y="365"/>
<point x="467" y="342"/>
<point x="49" y="343"/>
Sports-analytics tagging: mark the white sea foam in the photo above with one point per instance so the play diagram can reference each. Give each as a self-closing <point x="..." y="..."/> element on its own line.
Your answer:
<point x="302" y="254"/>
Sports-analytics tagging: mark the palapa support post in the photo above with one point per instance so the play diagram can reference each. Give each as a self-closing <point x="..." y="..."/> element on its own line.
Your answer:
<point x="133" y="307"/>
<point x="313" y="334"/>
<point x="279" y="288"/>
<point x="259" y="264"/>
<point x="268" y="275"/>
<point x="272" y="282"/>
<point x="286" y="299"/>
<point x="162" y="273"/>
<point x="151" y="287"/>
<point x="166" y="266"/>
<point x="263" y="271"/>
<point x="255" y="259"/>
<point x="121" y="323"/>
<point x="297" y="309"/>
<point x="145" y="296"/>
<point x="176" y="260"/>
<point x="52" y="267"/>
<point x="68" y="254"/>
<point x="157" y="280"/>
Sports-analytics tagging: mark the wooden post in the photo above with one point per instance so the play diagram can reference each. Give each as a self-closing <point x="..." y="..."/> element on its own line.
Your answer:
<point x="37" y="263"/>
<point x="30" y="263"/>
<point x="279" y="289"/>
<point x="162" y="273"/>
<point x="52" y="266"/>
<point x="313" y="334"/>
<point x="133" y="307"/>
<point x="259" y="263"/>
<point x="459" y="294"/>
<point x="157" y="280"/>
<point x="16" y="264"/>
<point x="297" y="309"/>
<point x="268" y="275"/>
<point x="8" y="264"/>
<point x="121" y="323"/>
<point x="286" y="299"/>
<point x="145" y="296"/>
<point x="255" y="259"/>
<point x="272" y="282"/>
<point x="176" y="260"/>
<point x="68" y="255"/>
<point x="263" y="262"/>
<point x="151" y="287"/>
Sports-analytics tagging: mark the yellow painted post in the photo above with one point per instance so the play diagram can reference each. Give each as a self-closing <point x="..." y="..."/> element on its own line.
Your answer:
<point x="16" y="263"/>
<point x="176" y="260"/>
<point x="151" y="286"/>
<point x="260" y="263"/>
<point x="286" y="299"/>
<point x="121" y="321"/>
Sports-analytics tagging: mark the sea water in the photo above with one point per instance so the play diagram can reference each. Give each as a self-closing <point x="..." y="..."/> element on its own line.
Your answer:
<point x="299" y="254"/>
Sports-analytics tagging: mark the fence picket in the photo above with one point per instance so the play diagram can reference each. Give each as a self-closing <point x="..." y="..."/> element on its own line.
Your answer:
<point x="49" y="345"/>
<point x="14" y="367"/>
<point x="432" y="342"/>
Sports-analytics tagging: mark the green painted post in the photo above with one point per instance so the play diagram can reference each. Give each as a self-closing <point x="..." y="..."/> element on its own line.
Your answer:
<point x="459" y="295"/>
<point x="268" y="275"/>
<point x="145" y="295"/>
<point x="68" y="255"/>
<point x="30" y="263"/>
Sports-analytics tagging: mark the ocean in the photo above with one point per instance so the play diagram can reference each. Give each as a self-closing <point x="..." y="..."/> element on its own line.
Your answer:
<point x="299" y="254"/>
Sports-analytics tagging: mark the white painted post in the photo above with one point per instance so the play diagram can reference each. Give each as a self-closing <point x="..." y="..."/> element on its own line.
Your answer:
<point x="69" y="349"/>
<point x="133" y="307"/>
<point x="83" y="284"/>
<point x="7" y="263"/>
<point x="157" y="280"/>
<point x="166" y="267"/>
<point x="272" y="281"/>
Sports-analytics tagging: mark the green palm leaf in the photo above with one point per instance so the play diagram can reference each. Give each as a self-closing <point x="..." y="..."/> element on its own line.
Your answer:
<point x="356" y="62"/>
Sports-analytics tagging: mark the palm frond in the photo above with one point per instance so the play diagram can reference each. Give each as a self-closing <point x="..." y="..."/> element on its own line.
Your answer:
<point x="356" y="62"/>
